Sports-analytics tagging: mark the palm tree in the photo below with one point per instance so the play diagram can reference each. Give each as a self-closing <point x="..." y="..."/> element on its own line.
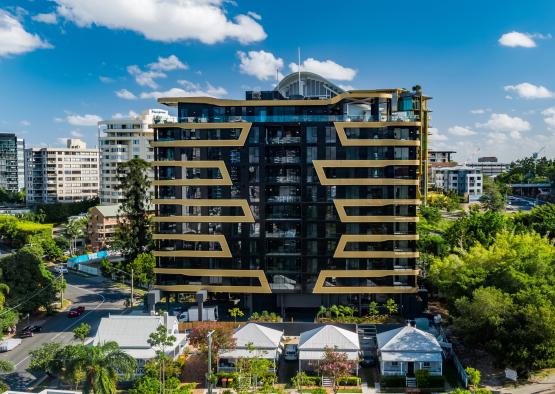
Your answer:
<point x="4" y="290"/>
<point x="6" y="366"/>
<point x="101" y="366"/>
<point x="74" y="230"/>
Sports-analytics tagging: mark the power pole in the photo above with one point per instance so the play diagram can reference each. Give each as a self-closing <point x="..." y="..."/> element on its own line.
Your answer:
<point x="62" y="289"/>
<point x="131" y="303"/>
<point x="209" y="374"/>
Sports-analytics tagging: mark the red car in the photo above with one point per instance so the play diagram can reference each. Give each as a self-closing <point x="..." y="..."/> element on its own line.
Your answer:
<point x="76" y="311"/>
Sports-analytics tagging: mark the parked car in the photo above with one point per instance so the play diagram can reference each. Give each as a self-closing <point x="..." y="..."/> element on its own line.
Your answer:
<point x="60" y="269"/>
<point x="291" y="352"/>
<point x="76" y="311"/>
<point x="28" y="331"/>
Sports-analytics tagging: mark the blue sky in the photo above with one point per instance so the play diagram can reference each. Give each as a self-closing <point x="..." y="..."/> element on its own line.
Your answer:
<point x="489" y="65"/>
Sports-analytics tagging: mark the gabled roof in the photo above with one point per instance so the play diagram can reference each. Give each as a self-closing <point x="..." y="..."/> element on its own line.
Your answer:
<point x="407" y="339"/>
<point x="329" y="336"/>
<point x="129" y="331"/>
<point x="259" y="336"/>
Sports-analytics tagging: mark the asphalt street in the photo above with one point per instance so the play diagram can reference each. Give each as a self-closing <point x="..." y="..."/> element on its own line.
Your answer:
<point x="99" y="297"/>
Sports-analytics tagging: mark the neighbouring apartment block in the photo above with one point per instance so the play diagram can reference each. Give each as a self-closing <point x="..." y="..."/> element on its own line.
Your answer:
<point x="490" y="166"/>
<point x="465" y="181"/>
<point x="103" y="221"/>
<point x="61" y="174"/>
<point x="12" y="166"/>
<point x="122" y="139"/>
<point x="293" y="198"/>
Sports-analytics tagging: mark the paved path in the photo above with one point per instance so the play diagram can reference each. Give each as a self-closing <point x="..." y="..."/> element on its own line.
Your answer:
<point x="99" y="298"/>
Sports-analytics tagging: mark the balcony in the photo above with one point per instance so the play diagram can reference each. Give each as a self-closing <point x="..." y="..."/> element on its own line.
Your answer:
<point x="402" y="116"/>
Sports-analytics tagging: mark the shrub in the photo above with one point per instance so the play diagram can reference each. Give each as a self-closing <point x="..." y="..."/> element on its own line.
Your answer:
<point x="318" y="390"/>
<point x="349" y="381"/>
<point x="422" y="377"/>
<point x="436" y="381"/>
<point x="393" y="381"/>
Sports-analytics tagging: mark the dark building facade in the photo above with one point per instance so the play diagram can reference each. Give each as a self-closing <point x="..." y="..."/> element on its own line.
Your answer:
<point x="291" y="200"/>
<point x="12" y="168"/>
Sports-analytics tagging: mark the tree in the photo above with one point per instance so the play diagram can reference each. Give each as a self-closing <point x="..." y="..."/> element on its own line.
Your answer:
<point x="476" y="227"/>
<point x="6" y="366"/>
<point x="235" y="313"/>
<point x="502" y="298"/>
<point x="253" y="369"/>
<point x="143" y="269"/>
<point x="541" y="219"/>
<point x="222" y="338"/>
<point x="44" y="358"/>
<point x="133" y="235"/>
<point x="160" y="340"/>
<point x="391" y="306"/>
<point x="473" y="376"/>
<point x="492" y="199"/>
<point x="373" y="308"/>
<point x="75" y="228"/>
<point x="151" y="385"/>
<point x="336" y="366"/>
<point x="26" y="275"/>
<point x="299" y="380"/>
<point x="431" y="214"/>
<point x="81" y="332"/>
<point x="102" y="365"/>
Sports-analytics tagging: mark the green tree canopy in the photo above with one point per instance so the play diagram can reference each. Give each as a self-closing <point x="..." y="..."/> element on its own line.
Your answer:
<point x="31" y="284"/>
<point x="133" y="235"/>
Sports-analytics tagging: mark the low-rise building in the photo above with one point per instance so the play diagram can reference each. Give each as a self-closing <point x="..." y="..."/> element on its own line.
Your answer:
<point x="313" y="345"/>
<point x="252" y="340"/>
<point x="102" y="225"/>
<point x="405" y="350"/>
<point x="463" y="180"/>
<point x="440" y="156"/>
<point x="132" y="332"/>
<point x="490" y="166"/>
<point x="61" y="174"/>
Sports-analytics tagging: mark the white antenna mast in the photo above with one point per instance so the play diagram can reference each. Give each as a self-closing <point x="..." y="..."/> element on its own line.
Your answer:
<point x="299" y="70"/>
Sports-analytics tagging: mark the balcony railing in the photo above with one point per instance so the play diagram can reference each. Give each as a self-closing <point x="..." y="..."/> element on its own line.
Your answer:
<point x="395" y="117"/>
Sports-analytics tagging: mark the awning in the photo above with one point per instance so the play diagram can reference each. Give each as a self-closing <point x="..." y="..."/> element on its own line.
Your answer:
<point x="319" y="354"/>
<point x="411" y="356"/>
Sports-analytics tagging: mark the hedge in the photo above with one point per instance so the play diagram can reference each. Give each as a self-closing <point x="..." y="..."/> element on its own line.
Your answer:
<point x="393" y="381"/>
<point x="349" y="381"/>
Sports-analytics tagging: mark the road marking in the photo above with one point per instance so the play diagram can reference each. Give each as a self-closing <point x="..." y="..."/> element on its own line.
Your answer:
<point x="103" y="299"/>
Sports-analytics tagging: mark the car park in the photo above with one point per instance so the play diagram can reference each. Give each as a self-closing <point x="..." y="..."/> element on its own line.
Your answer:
<point x="76" y="311"/>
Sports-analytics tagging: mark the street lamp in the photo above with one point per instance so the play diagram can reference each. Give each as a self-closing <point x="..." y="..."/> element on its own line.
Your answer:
<point x="131" y="275"/>
<point x="208" y="375"/>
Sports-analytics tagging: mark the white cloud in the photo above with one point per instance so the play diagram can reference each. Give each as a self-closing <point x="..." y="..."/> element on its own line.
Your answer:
<point x="529" y="91"/>
<point x="130" y="114"/>
<point x="327" y="69"/>
<point x="169" y="63"/>
<point x="50" y="18"/>
<point x="346" y="87"/>
<point x="165" y="20"/>
<point x="58" y="120"/>
<point x="104" y="79"/>
<point x="125" y="94"/>
<point x="25" y="123"/>
<point x="549" y="116"/>
<point x="83" y="120"/>
<point x="435" y="135"/>
<point x="480" y="111"/>
<point x="254" y="15"/>
<point x="145" y="78"/>
<point x="190" y="90"/>
<point x="61" y="141"/>
<point x="260" y="64"/>
<point x="461" y="131"/>
<point x="518" y="39"/>
<point x="14" y="40"/>
<point x="76" y="133"/>
<point x="508" y="97"/>
<point x="505" y="123"/>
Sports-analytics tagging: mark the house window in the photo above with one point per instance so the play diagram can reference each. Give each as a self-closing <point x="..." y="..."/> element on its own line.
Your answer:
<point x="426" y="364"/>
<point x="394" y="363"/>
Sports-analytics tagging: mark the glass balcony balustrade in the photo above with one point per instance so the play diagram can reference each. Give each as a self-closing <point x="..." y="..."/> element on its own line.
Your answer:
<point x="402" y="116"/>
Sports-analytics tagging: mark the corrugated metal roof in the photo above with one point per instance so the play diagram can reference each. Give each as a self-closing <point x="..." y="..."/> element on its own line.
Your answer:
<point x="130" y="331"/>
<point x="109" y="211"/>
<point x="259" y="336"/>
<point x="329" y="336"/>
<point x="407" y="339"/>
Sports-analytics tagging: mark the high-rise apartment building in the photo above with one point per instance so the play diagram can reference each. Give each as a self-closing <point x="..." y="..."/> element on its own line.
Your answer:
<point x="12" y="166"/>
<point x="121" y="140"/>
<point x="292" y="198"/>
<point x="61" y="174"/>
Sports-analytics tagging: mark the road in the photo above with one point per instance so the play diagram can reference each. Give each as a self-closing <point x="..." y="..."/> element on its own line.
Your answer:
<point x="99" y="298"/>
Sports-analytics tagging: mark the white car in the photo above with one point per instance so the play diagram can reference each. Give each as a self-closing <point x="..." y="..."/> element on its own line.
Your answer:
<point x="60" y="269"/>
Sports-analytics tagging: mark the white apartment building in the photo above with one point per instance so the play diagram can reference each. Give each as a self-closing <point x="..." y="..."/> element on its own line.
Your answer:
<point x="61" y="174"/>
<point x="463" y="180"/>
<point x="123" y="139"/>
